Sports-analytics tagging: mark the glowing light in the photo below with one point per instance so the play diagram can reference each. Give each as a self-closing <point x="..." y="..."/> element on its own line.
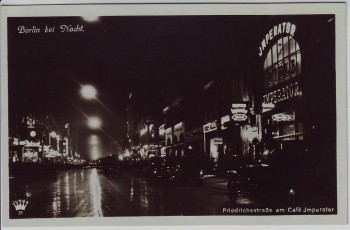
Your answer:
<point x="90" y="18"/>
<point x="239" y="117"/>
<point x="282" y="117"/>
<point x="239" y="105"/>
<point x="33" y="133"/>
<point x="127" y="153"/>
<point x="224" y="120"/>
<point x="165" y="110"/>
<point x="88" y="92"/>
<point x="143" y="131"/>
<point x="250" y="133"/>
<point x="95" y="153"/>
<point x="239" y="110"/>
<point x="95" y="194"/>
<point x="214" y="149"/>
<point x="94" y="122"/>
<point x="93" y="140"/>
<point x="53" y="134"/>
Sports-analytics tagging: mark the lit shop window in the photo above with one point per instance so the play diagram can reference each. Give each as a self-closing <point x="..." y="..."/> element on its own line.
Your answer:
<point x="285" y="127"/>
<point x="283" y="62"/>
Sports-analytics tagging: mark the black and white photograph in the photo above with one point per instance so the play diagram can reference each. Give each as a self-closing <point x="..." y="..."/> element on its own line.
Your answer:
<point x="171" y="115"/>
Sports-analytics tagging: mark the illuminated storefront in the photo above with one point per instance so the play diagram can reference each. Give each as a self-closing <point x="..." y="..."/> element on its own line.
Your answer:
<point x="297" y="95"/>
<point x="210" y="135"/>
<point x="297" y="88"/>
<point x="282" y="97"/>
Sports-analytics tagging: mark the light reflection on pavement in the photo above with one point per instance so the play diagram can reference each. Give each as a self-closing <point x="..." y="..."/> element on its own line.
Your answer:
<point x="94" y="193"/>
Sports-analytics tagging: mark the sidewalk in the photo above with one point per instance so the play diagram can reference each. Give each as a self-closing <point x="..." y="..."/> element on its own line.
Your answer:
<point x="214" y="181"/>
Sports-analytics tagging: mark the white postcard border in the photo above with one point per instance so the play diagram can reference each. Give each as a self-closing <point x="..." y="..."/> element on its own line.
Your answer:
<point x="338" y="9"/>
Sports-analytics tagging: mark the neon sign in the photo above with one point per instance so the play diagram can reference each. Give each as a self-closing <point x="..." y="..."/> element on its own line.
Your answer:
<point x="239" y="117"/>
<point x="209" y="127"/>
<point x="239" y="112"/>
<point x="282" y="117"/>
<point x="282" y="94"/>
<point x="282" y="28"/>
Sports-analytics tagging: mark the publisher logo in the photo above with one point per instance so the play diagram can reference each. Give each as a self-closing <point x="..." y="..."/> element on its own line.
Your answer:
<point x="20" y="206"/>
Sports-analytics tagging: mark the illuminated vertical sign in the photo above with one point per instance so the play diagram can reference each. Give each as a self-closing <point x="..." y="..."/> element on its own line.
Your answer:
<point x="224" y="119"/>
<point x="209" y="127"/>
<point x="178" y="131"/>
<point x="239" y="112"/>
<point x="282" y="65"/>
<point x="168" y="136"/>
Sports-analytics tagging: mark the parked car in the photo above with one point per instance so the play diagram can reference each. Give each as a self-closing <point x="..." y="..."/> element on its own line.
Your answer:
<point x="273" y="180"/>
<point x="154" y="166"/>
<point x="172" y="169"/>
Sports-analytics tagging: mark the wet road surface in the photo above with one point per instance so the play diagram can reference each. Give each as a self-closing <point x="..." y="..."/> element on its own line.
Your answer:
<point x="93" y="193"/>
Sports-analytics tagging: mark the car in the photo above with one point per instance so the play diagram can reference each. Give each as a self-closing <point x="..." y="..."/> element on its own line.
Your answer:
<point x="172" y="169"/>
<point x="273" y="180"/>
<point x="154" y="166"/>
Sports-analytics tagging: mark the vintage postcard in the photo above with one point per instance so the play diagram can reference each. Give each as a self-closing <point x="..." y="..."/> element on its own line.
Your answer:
<point x="173" y="114"/>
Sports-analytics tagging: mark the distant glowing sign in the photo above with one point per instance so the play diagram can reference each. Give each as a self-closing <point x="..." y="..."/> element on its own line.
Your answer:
<point x="32" y="133"/>
<point x="143" y="131"/>
<point x="53" y="134"/>
<point x="168" y="136"/>
<point x="224" y="120"/>
<point x="239" y="117"/>
<point x="282" y="117"/>
<point x="15" y="141"/>
<point x="267" y="107"/>
<point x="218" y="141"/>
<point x="178" y="130"/>
<point x="239" y="112"/>
<point x="209" y="127"/>
<point x="31" y="144"/>
<point x="162" y="130"/>
<point x="282" y="28"/>
<point x="282" y="94"/>
<point x="244" y="111"/>
<point x="30" y="155"/>
<point x="30" y="122"/>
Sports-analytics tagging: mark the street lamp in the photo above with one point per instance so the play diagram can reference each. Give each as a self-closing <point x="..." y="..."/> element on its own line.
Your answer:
<point x="88" y="92"/>
<point x="94" y="122"/>
<point x="93" y="140"/>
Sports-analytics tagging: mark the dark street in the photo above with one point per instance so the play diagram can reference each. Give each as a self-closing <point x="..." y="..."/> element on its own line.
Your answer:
<point x="92" y="192"/>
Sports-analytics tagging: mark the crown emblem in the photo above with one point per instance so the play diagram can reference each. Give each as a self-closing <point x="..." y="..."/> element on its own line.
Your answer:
<point x="20" y="205"/>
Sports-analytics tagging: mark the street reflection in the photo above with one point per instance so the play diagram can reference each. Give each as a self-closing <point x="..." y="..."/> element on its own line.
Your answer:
<point x="67" y="192"/>
<point x="75" y="184"/>
<point x="132" y="190"/>
<point x="144" y="195"/>
<point x="241" y="200"/>
<point x="56" y="199"/>
<point x="95" y="193"/>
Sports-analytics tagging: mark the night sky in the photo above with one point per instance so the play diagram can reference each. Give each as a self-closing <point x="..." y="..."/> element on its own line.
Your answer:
<point x="153" y="57"/>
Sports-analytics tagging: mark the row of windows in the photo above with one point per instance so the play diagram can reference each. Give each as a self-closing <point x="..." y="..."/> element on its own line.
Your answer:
<point x="282" y="63"/>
